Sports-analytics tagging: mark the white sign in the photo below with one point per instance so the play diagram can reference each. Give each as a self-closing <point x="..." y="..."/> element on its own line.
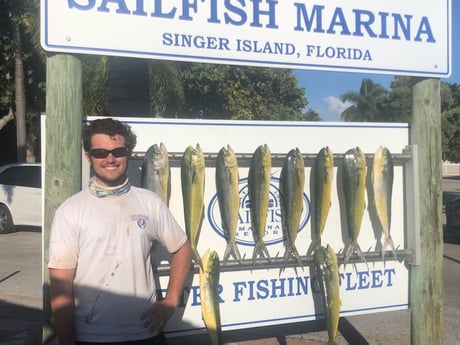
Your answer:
<point x="260" y="296"/>
<point x="411" y="37"/>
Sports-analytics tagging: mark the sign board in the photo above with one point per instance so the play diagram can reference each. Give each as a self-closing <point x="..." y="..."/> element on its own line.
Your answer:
<point x="260" y="296"/>
<point x="411" y="37"/>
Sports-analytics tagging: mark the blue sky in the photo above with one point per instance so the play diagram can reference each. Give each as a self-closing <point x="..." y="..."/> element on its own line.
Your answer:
<point x="323" y="89"/>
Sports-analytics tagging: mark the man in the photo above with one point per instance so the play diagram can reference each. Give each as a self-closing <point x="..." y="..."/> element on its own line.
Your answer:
<point x="101" y="281"/>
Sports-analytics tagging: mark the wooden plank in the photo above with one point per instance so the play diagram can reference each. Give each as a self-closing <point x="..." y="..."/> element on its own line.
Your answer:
<point x="63" y="150"/>
<point x="426" y="279"/>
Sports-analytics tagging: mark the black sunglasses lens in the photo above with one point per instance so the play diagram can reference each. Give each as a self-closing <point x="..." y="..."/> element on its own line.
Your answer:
<point x="103" y="153"/>
<point x="120" y="152"/>
<point x="99" y="153"/>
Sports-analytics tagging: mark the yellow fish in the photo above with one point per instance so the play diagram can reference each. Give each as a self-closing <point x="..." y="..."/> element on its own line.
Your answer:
<point x="192" y="178"/>
<point x="209" y="295"/>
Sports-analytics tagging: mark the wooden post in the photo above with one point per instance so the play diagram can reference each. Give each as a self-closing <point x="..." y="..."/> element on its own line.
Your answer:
<point x="63" y="150"/>
<point x="426" y="279"/>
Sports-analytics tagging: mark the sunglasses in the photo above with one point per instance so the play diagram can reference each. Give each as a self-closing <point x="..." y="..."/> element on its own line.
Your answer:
<point x="103" y="153"/>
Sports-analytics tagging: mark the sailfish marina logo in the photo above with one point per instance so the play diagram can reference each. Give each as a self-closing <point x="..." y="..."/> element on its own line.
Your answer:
<point x="273" y="229"/>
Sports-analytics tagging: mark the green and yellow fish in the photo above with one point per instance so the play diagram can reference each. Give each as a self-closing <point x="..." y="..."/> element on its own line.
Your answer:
<point x="209" y="295"/>
<point x="321" y="185"/>
<point x="192" y="178"/>
<point x="227" y="181"/>
<point x="292" y="182"/>
<point x="327" y="273"/>
<point x="354" y="186"/>
<point x="382" y="186"/>
<point x="155" y="174"/>
<point x="259" y="195"/>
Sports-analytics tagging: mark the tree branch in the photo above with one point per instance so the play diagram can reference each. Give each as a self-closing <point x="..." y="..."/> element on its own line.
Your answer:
<point x="7" y="118"/>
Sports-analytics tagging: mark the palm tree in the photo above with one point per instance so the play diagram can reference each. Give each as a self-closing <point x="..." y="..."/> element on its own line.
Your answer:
<point x="366" y="104"/>
<point x="311" y="115"/>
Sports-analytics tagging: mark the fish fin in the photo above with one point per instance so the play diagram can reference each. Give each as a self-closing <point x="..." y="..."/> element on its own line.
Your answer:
<point x="389" y="242"/>
<point x="313" y="245"/>
<point x="232" y="249"/>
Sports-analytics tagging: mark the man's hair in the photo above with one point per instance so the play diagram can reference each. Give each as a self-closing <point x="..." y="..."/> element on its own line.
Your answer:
<point x="109" y="127"/>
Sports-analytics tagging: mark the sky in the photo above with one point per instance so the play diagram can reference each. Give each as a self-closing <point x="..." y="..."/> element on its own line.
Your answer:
<point x="323" y="89"/>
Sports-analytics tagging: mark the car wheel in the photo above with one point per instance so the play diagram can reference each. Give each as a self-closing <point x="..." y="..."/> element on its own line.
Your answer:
<point x="6" y="222"/>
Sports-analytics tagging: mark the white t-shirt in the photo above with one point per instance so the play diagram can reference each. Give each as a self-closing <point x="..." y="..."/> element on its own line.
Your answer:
<point x="108" y="241"/>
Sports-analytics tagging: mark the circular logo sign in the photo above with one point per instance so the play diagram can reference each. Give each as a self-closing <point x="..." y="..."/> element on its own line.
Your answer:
<point x="273" y="230"/>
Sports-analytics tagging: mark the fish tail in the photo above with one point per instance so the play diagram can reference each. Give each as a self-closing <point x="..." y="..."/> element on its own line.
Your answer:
<point x="232" y="248"/>
<point x="360" y="254"/>
<point x="354" y="247"/>
<point x="292" y="251"/>
<point x="389" y="242"/>
<point x="260" y="250"/>
<point x="313" y="245"/>
<point x="197" y="257"/>
<point x="332" y="342"/>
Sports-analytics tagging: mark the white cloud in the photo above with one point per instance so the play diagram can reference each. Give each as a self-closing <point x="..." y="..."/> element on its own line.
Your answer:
<point x="335" y="106"/>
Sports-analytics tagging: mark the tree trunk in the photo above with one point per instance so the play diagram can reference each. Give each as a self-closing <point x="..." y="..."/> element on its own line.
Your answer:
<point x="20" y="96"/>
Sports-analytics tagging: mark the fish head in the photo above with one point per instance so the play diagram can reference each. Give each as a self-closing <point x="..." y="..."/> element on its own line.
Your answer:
<point x="210" y="261"/>
<point x="331" y="256"/>
<point x="360" y="158"/>
<point x="326" y="158"/>
<point x="229" y="157"/>
<point x="320" y="255"/>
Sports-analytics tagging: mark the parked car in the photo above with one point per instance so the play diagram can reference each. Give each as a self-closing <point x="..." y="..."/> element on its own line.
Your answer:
<point x="20" y="196"/>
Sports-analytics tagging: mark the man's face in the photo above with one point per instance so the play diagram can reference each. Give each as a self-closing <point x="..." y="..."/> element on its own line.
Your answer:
<point x="110" y="171"/>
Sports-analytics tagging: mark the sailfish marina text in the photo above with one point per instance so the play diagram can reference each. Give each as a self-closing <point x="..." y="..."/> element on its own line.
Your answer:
<point x="311" y="18"/>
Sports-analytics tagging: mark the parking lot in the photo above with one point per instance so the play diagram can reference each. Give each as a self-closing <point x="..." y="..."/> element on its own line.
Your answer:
<point x="21" y="287"/>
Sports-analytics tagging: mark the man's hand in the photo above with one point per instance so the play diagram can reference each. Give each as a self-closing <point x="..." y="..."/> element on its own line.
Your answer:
<point x="157" y="316"/>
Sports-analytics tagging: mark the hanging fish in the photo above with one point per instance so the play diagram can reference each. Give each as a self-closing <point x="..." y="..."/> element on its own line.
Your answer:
<point x="259" y="194"/>
<point x="327" y="273"/>
<point x="292" y="182"/>
<point x="382" y="186"/>
<point x="227" y="180"/>
<point x="321" y="182"/>
<point x="155" y="174"/>
<point x="354" y="185"/>
<point x="192" y="178"/>
<point x="209" y="295"/>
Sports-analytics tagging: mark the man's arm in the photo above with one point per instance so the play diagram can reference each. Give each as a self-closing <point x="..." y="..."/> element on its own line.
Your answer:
<point x="62" y="304"/>
<point x="158" y="316"/>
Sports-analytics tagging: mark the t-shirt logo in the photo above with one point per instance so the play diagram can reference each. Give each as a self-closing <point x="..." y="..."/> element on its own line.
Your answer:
<point x="141" y="220"/>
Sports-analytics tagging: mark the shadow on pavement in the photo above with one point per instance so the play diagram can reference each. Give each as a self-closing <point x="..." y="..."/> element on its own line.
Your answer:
<point x="20" y="324"/>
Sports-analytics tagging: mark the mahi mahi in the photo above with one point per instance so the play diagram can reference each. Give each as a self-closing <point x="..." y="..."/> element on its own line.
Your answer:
<point x="354" y="185"/>
<point x="292" y="182"/>
<point x="227" y="180"/>
<point x="327" y="273"/>
<point x="155" y="174"/>
<point x="209" y="295"/>
<point x="259" y="194"/>
<point x="321" y="182"/>
<point x="192" y="178"/>
<point x="382" y="186"/>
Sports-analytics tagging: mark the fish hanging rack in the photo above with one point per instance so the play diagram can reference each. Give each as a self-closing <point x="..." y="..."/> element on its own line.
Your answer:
<point x="244" y="159"/>
<point x="278" y="262"/>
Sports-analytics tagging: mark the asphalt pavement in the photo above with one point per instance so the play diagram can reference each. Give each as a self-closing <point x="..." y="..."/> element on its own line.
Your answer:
<point x="21" y="301"/>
